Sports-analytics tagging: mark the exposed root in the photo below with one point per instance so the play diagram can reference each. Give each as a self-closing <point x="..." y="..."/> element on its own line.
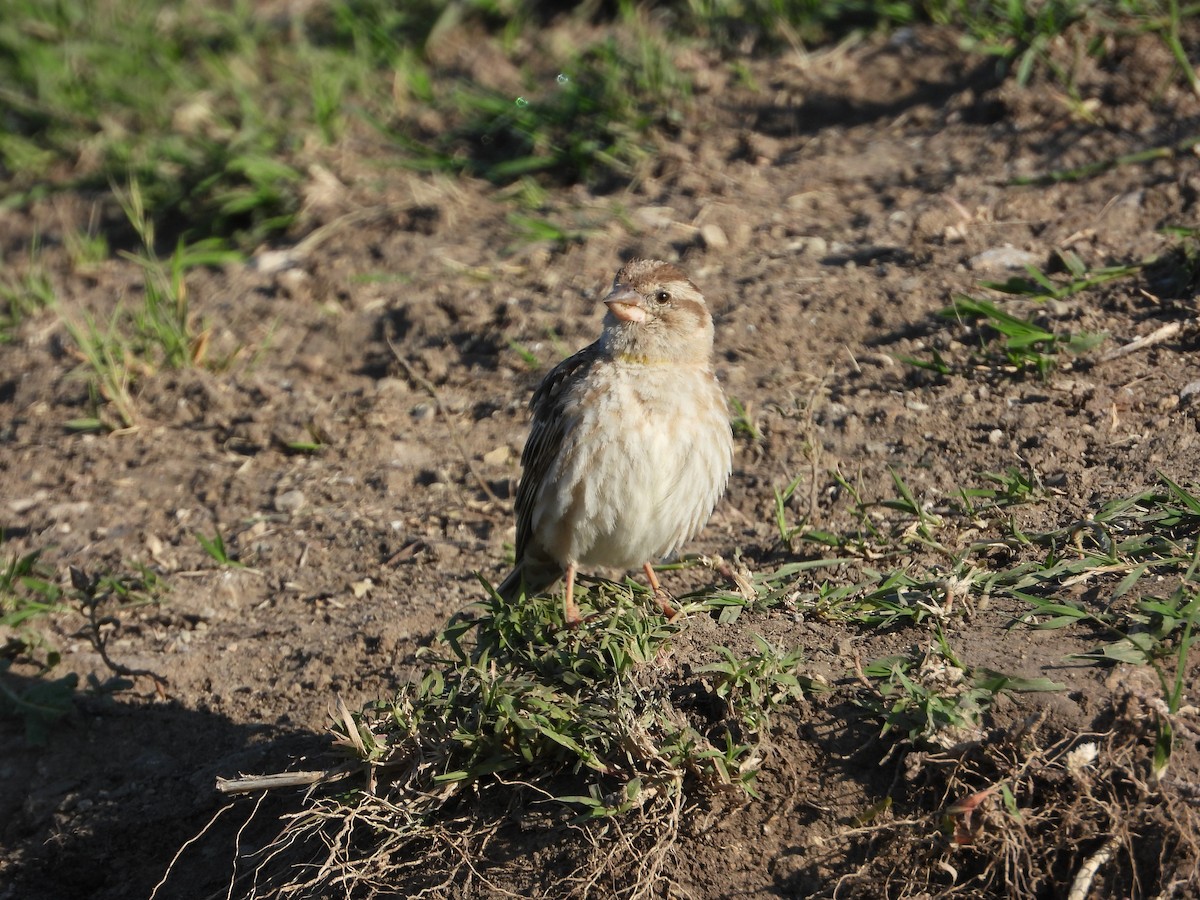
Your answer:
<point x="1082" y="885"/>
<point x="376" y="846"/>
<point x="1082" y="817"/>
<point x="189" y="842"/>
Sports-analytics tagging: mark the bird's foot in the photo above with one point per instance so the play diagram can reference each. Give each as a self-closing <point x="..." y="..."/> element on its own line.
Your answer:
<point x="666" y="604"/>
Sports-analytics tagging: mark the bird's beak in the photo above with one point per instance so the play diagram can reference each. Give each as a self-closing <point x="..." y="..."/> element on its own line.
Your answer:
<point x="627" y="305"/>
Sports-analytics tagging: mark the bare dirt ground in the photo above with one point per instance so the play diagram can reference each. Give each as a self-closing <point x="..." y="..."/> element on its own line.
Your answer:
<point x="852" y="194"/>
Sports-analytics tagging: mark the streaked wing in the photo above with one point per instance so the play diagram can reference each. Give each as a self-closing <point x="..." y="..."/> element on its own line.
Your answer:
<point x="546" y="432"/>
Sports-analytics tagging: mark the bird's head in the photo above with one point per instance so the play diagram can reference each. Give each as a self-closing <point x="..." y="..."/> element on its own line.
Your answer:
<point x="656" y="315"/>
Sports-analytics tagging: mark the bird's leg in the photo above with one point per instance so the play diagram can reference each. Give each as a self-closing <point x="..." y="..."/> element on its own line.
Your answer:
<point x="660" y="596"/>
<point x="570" y="610"/>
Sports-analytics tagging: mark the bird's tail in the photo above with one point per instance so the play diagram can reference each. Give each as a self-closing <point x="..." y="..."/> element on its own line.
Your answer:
<point x="527" y="579"/>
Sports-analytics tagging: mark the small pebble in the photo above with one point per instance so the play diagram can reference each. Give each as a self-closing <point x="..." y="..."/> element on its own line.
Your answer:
<point x="271" y="261"/>
<point x="713" y="237"/>
<point x="289" y="501"/>
<point x="497" y="457"/>
<point x="25" y="504"/>
<point x="1003" y="259"/>
<point x="655" y="216"/>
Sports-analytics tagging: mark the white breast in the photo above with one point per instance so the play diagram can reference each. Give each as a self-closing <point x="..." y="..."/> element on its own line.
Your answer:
<point x="643" y="463"/>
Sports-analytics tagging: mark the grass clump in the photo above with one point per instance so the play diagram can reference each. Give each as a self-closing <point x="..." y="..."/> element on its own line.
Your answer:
<point x="161" y="332"/>
<point x="1018" y="344"/>
<point x="1027" y="813"/>
<point x="1076" y="278"/>
<point x="217" y="112"/>
<point x="590" y="122"/>
<point x="98" y="93"/>
<point x="518" y="687"/>
<point x="22" y="296"/>
<point x="574" y="725"/>
<point x="1150" y="537"/>
<point x="30" y="603"/>
<point x="27" y="595"/>
<point x="934" y="700"/>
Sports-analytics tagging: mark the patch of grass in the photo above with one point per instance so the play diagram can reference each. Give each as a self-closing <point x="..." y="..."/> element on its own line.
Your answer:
<point x="1157" y="534"/>
<point x="24" y="295"/>
<point x="1152" y="531"/>
<point x="885" y="599"/>
<point x="755" y="685"/>
<point x="1150" y="534"/>
<point x="1023" y="345"/>
<point x="530" y="356"/>
<point x="578" y="723"/>
<point x="1153" y="630"/>
<point x="732" y="25"/>
<point x="743" y="421"/>
<point x="1099" y="167"/>
<point x="1011" y="344"/>
<point x="1078" y="278"/>
<point x="112" y="373"/>
<point x="530" y="229"/>
<point x="933" y="699"/>
<point x="590" y="122"/>
<point x="1009" y="488"/>
<point x="1007" y="342"/>
<point x="215" y="547"/>
<point x="214" y="111"/>
<point x="1175" y="17"/>
<point x="863" y="591"/>
<point x="591" y="693"/>
<point x="27" y="595"/>
<point x="924" y="521"/>
<point x="316" y="440"/>
<point x="787" y="531"/>
<point x="29" y="598"/>
<point x="1028" y="38"/>
<point x="86" y="248"/>
<point x="1017" y="34"/>
<point x="98" y="93"/>
<point x="1156" y="630"/>
<point x="164" y="326"/>
<point x="138" y="340"/>
<point x="881" y="534"/>
<point x="527" y="356"/>
<point x="1024" y="39"/>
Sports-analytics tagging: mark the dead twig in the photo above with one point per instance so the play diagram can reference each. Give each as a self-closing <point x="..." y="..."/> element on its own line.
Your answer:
<point x="248" y="783"/>
<point x="1082" y="884"/>
<point x="1157" y="336"/>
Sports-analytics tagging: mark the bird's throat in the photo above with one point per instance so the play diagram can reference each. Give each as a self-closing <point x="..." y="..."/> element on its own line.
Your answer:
<point x="642" y="359"/>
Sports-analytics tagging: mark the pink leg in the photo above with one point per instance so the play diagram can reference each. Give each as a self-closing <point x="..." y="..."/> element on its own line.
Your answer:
<point x="570" y="610"/>
<point x="660" y="596"/>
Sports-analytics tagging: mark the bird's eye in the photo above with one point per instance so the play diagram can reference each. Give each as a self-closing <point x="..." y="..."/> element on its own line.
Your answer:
<point x="662" y="297"/>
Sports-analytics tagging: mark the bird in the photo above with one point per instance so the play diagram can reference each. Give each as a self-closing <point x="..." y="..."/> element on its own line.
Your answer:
<point x="630" y="445"/>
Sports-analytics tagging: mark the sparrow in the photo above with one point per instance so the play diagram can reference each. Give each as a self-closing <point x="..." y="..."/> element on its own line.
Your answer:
<point x="630" y="445"/>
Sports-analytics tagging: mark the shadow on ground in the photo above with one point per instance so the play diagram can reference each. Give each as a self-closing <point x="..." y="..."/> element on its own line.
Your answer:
<point x="123" y="778"/>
